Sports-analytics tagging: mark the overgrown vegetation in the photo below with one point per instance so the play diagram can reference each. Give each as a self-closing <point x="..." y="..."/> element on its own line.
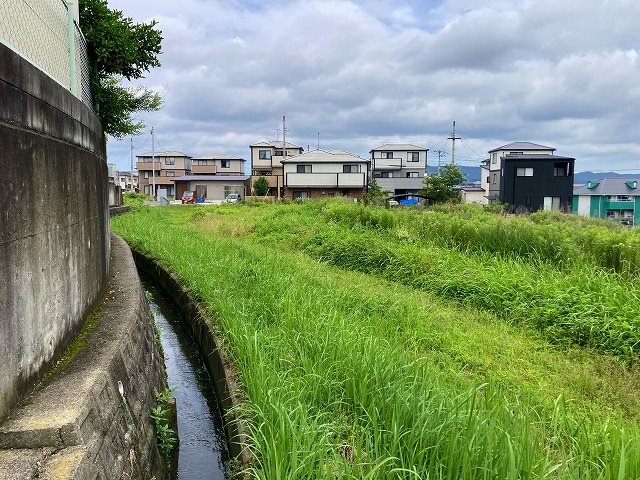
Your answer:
<point x="166" y="436"/>
<point x="261" y="186"/>
<point x="362" y="375"/>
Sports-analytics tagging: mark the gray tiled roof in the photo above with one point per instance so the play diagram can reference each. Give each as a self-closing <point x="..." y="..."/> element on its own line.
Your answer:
<point x="536" y="156"/>
<point x="275" y="144"/>
<point x="218" y="156"/>
<point x="522" y="146"/>
<point x="398" y="147"/>
<point x="609" y="186"/>
<point x="170" y="153"/>
<point x="325" y="156"/>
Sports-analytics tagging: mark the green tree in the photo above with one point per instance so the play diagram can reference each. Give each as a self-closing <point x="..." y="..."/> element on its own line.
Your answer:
<point x="375" y="194"/>
<point x="440" y="187"/>
<point x="119" y="49"/>
<point x="261" y="186"/>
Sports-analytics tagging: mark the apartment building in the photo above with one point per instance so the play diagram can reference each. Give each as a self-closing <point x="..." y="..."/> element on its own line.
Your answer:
<point x="162" y="172"/>
<point x="266" y="158"/>
<point x="325" y="173"/>
<point x="615" y="199"/>
<point x="399" y="168"/>
<point x="529" y="176"/>
<point x="128" y="181"/>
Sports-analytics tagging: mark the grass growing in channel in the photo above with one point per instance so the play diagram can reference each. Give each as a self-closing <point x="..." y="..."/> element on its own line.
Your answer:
<point x="346" y="377"/>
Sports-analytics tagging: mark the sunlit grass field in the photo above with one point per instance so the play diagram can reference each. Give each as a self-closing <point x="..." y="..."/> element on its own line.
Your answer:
<point x="389" y="344"/>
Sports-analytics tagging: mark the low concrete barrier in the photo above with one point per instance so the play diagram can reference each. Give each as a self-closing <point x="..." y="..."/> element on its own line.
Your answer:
<point x="90" y="417"/>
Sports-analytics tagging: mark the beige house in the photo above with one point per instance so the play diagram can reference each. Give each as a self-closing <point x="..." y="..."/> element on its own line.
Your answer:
<point x="399" y="168"/>
<point x="266" y="158"/>
<point x="128" y="181"/>
<point x="217" y="164"/>
<point x="321" y="173"/>
<point x="165" y="168"/>
<point x="213" y="188"/>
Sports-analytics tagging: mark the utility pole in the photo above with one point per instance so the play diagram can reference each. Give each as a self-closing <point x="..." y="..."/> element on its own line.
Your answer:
<point x="131" y="161"/>
<point x="153" y="164"/>
<point x="453" y="139"/>
<point x="284" y="148"/>
<point x="440" y="153"/>
<point x="318" y="140"/>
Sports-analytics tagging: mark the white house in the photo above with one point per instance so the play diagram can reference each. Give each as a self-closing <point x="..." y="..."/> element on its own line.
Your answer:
<point x="399" y="168"/>
<point x="325" y="173"/>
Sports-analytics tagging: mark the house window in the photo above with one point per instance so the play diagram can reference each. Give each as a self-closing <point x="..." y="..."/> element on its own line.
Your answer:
<point x="225" y="163"/>
<point x="494" y="158"/>
<point x="170" y="161"/>
<point x="278" y="153"/>
<point x="301" y="195"/>
<point x="303" y="168"/>
<point x="414" y="156"/>
<point x="493" y="178"/>
<point x="171" y="173"/>
<point x="560" y="170"/>
<point x="382" y="174"/>
<point x="524" y="172"/>
<point x="620" y="198"/>
<point x="264" y="154"/>
<point x="551" y="204"/>
<point x="413" y="175"/>
<point x="515" y="153"/>
<point x="386" y="155"/>
<point x="351" y="169"/>
<point x="146" y="174"/>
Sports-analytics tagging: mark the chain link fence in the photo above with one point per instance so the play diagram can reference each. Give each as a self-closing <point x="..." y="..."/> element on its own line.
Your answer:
<point x="45" y="33"/>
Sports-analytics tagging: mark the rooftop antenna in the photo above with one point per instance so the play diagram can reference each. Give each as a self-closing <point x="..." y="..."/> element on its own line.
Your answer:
<point x="318" y="140"/>
<point x="453" y="139"/>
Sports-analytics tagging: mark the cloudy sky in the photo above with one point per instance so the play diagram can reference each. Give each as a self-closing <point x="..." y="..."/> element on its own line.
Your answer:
<point x="563" y="73"/>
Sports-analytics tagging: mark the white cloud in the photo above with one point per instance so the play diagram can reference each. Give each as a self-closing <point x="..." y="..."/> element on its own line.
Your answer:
<point x="367" y="72"/>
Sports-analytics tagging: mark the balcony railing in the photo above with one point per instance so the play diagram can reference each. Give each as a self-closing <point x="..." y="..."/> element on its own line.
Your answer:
<point x="147" y="165"/>
<point x="204" y="169"/>
<point x="327" y="180"/>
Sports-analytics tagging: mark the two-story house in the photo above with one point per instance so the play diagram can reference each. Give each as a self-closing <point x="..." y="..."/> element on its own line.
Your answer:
<point x="529" y="176"/>
<point x="399" y="168"/>
<point x="162" y="171"/>
<point x="616" y="199"/>
<point x="325" y="173"/>
<point x="217" y="164"/>
<point x="266" y="158"/>
<point x="128" y="181"/>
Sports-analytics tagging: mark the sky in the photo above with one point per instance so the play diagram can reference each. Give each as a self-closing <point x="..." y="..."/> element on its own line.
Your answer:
<point x="561" y="73"/>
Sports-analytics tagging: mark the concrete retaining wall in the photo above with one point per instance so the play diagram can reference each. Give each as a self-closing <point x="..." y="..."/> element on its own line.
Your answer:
<point x="78" y="425"/>
<point x="54" y="240"/>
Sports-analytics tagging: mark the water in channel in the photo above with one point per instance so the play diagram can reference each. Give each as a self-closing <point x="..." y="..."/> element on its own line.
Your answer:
<point x="203" y="450"/>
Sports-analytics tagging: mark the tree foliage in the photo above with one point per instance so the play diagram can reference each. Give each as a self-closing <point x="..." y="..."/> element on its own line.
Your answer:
<point x="261" y="186"/>
<point x="119" y="49"/>
<point x="440" y="186"/>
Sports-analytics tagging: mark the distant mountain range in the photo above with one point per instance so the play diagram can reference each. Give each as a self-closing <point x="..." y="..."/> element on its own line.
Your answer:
<point x="472" y="174"/>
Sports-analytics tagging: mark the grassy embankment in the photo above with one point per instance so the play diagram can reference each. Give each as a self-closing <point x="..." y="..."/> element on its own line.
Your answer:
<point x="348" y="375"/>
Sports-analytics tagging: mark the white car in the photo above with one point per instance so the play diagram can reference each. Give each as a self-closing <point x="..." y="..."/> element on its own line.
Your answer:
<point x="233" y="198"/>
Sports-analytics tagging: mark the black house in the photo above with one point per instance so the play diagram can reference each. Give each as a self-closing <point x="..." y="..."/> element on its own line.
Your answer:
<point x="529" y="176"/>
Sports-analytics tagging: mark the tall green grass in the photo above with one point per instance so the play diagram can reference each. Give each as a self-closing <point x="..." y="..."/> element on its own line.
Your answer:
<point x="332" y="391"/>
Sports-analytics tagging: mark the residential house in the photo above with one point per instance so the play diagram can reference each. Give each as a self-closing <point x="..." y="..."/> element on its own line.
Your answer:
<point x="166" y="166"/>
<point x="321" y="173"/>
<point x="217" y="164"/>
<point x="266" y="158"/>
<point x="473" y="194"/>
<point x="128" y="181"/>
<point x="399" y="168"/>
<point x="529" y="176"/>
<point x="616" y="199"/>
<point x="213" y="188"/>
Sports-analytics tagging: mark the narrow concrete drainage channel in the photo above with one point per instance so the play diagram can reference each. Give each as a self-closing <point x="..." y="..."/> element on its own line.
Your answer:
<point x="203" y="450"/>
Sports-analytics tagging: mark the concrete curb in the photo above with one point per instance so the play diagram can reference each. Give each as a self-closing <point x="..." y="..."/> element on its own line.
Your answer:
<point x="211" y="346"/>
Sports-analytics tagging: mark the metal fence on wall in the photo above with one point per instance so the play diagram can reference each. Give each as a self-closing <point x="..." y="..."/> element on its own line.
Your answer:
<point x="45" y="33"/>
